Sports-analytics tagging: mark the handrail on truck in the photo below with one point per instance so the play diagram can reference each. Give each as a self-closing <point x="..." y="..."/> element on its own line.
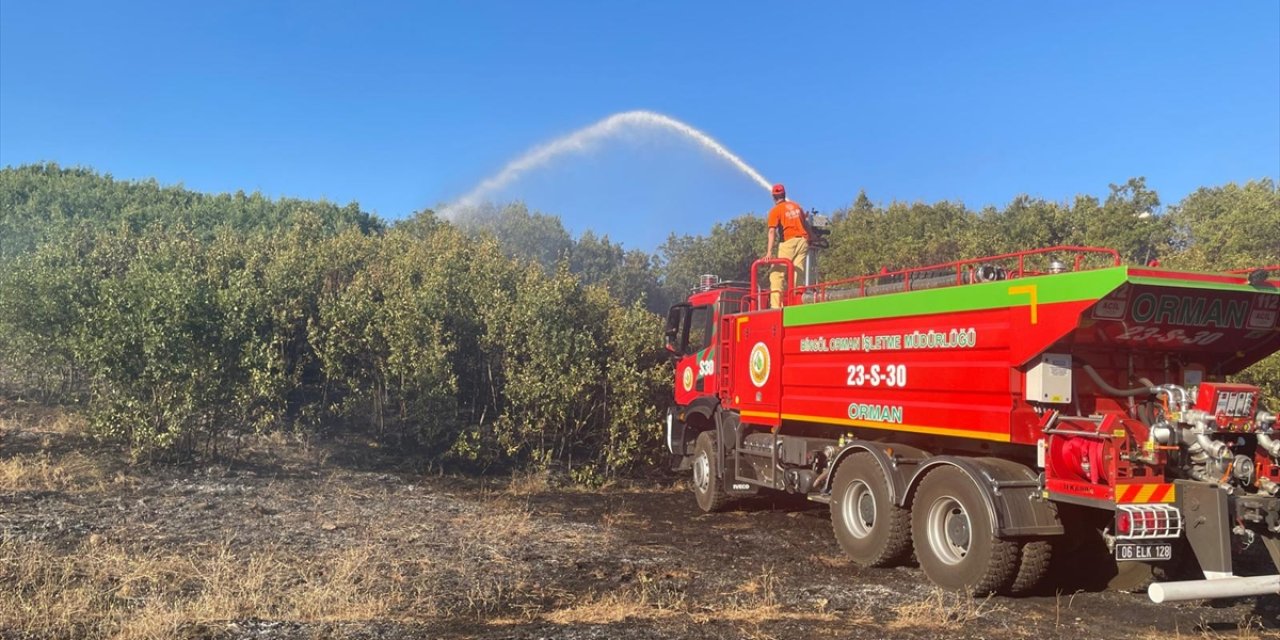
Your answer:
<point x="1003" y="266"/>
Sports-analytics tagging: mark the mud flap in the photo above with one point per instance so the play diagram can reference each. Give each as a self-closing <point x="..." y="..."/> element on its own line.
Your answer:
<point x="728" y="435"/>
<point x="1272" y="543"/>
<point x="1261" y="513"/>
<point x="1206" y="513"/>
<point x="681" y="458"/>
<point x="680" y="463"/>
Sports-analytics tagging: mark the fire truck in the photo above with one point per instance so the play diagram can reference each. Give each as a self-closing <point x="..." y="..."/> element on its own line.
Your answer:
<point x="983" y="415"/>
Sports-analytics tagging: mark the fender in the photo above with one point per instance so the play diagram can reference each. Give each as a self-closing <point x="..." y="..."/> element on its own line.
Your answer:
<point x="897" y="462"/>
<point x="705" y="407"/>
<point x="681" y="435"/>
<point x="1010" y="491"/>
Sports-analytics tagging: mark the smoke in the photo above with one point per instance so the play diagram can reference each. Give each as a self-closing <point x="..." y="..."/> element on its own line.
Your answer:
<point x="580" y="141"/>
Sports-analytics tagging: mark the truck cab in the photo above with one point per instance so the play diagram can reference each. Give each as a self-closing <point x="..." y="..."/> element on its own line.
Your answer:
<point x="691" y="342"/>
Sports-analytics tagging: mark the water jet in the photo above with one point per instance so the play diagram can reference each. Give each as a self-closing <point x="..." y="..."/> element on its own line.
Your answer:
<point x="581" y="140"/>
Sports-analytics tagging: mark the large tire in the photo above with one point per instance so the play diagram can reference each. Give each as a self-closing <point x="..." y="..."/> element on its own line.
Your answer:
<point x="1033" y="567"/>
<point x="707" y="487"/>
<point x="871" y="529"/>
<point x="951" y="528"/>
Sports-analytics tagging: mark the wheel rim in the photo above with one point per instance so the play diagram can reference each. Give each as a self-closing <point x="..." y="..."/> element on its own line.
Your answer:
<point x="701" y="473"/>
<point x="858" y="509"/>
<point x="950" y="531"/>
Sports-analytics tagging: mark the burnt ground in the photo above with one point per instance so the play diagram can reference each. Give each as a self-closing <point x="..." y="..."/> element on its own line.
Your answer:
<point x="309" y="543"/>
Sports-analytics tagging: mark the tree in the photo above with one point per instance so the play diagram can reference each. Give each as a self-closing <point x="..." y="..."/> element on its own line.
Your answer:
<point x="1127" y="221"/>
<point x="727" y="252"/>
<point x="1232" y="227"/>
<point x="522" y="234"/>
<point x="1228" y="227"/>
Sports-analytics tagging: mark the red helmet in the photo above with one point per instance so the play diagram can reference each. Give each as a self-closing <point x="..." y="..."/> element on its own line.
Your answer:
<point x="779" y="190"/>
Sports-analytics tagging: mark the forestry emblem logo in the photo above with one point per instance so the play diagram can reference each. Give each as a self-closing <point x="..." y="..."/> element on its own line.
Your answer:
<point x="759" y="364"/>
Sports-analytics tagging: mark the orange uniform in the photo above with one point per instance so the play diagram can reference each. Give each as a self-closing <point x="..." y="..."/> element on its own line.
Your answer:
<point x="790" y="216"/>
<point x="794" y="246"/>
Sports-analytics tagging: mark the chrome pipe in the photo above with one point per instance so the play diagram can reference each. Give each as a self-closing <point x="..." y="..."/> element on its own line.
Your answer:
<point x="1271" y="445"/>
<point x="1234" y="587"/>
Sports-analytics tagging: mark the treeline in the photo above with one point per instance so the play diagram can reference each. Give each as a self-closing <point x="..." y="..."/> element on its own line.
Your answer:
<point x="175" y="329"/>
<point x="1215" y="229"/>
<point x="176" y="319"/>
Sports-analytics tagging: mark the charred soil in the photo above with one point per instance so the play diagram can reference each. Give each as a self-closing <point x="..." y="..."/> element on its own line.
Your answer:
<point x="296" y="542"/>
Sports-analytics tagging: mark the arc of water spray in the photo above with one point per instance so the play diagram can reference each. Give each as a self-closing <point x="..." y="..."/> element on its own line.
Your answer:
<point x="581" y="139"/>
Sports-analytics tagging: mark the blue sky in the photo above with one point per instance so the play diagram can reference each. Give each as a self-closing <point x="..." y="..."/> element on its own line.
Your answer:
<point x="401" y="106"/>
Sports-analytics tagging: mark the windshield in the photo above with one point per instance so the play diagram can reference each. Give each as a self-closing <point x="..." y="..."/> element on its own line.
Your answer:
<point x="699" y="329"/>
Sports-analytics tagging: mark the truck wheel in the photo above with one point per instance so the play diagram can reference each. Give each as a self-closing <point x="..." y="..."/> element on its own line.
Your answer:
<point x="1033" y="567"/>
<point x="955" y="545"/>
<point x="871" y="529"/>
<point x="707" y="488"/>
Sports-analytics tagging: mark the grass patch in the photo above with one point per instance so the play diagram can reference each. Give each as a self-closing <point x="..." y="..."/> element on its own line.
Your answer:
<point x="108" y="590"/>
<point x="944" y="609"/>
<point x="42" y="471"/>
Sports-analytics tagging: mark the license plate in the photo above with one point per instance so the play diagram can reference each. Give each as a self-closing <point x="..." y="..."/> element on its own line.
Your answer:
<point x="1144" y="551"/>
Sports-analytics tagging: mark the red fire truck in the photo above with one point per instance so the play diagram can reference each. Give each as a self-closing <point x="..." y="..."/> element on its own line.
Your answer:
<point x="985" y="414"/>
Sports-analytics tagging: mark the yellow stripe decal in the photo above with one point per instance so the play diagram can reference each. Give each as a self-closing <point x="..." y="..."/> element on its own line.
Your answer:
<point x="759" y="414"/>
<point x="937" y="431"/>
<point x="1028" y="290"/>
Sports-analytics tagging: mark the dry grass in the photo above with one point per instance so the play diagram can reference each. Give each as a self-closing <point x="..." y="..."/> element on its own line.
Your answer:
<point x="104" y="588"/>
<point x="1250" y="628"/>
<point x="839" y="561"/>
<point x="758" y="601"/>
<point x="292" y="448"/>
<point x="617" y="608"/>
<point x="753" y="603"/>
<point x="1247" y="628"/>
<point x="761" y="590"/>
<point x="942" y="610"/>
<point x="42" y="471"/>
<point x="109" y="590"/>
<point x="639" y="603"/>
<point x="529" y="483"/>
<point x="618" y="515"/>
<point x="535" y="482"/>
<point x="113" y="585"/>
<point x="777" y="613"/>
<point x="39" y="466"/>
<point x="183" y="554"/>
<point x="39" y="419"/>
